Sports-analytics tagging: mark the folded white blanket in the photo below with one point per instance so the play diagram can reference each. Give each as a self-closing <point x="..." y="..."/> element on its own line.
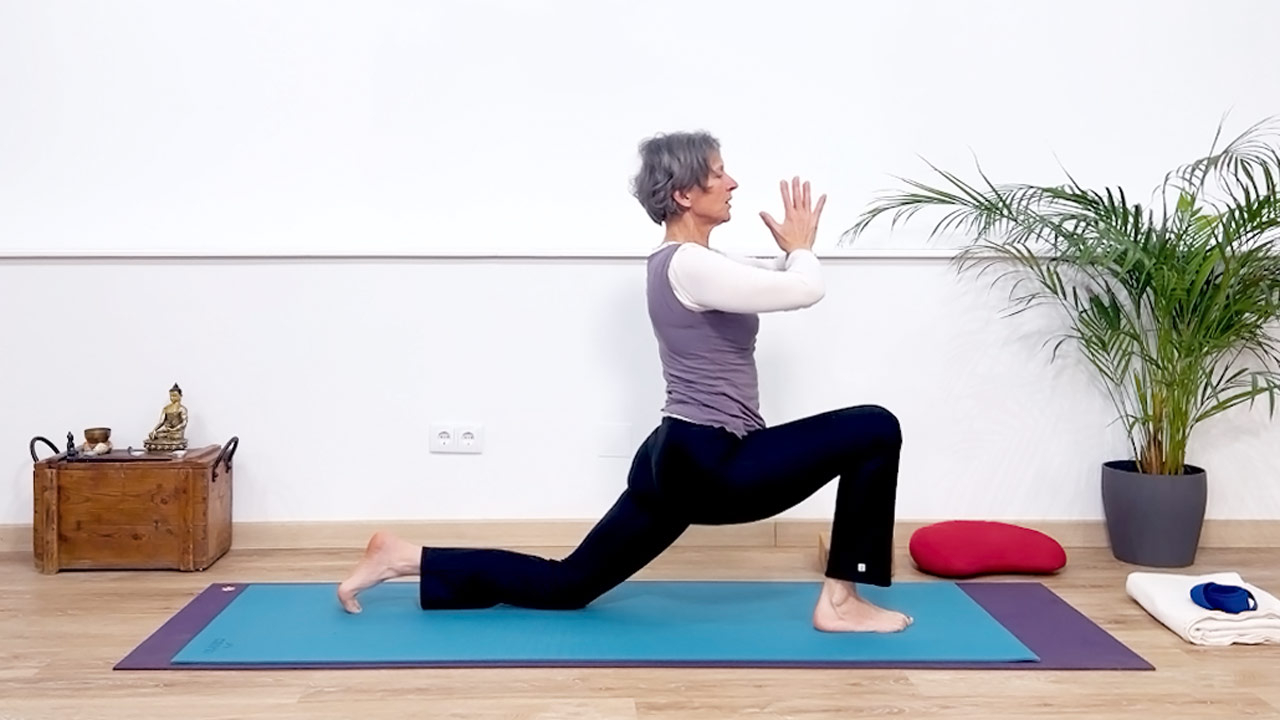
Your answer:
<point x="1167" y="597"/>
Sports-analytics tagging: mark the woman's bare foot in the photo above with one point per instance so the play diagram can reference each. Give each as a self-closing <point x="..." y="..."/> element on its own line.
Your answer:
<point x="385" y="557"/>
<point x="841" y="609"/>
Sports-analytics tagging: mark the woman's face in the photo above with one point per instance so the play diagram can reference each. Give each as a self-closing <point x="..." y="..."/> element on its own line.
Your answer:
<point x="713" y="203"/>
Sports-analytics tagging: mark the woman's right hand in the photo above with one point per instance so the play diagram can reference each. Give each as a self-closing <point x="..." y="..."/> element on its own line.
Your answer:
<point x="799" y="226"/>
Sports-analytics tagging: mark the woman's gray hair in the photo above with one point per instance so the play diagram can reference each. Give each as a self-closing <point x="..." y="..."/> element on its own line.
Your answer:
<point x="671" y="162"/>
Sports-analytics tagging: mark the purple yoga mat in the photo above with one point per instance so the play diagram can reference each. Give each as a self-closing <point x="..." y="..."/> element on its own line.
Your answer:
<point x="1060" y="635"/>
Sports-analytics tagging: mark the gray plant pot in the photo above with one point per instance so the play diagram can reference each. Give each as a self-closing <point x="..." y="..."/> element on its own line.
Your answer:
<point x="1153" y="520"/>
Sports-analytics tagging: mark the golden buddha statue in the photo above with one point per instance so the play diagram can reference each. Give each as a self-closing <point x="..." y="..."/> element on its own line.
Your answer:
<point x="170" y="433"/>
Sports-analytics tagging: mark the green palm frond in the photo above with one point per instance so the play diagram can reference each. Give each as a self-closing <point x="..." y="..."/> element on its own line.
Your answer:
<point x="1174" y="303"/>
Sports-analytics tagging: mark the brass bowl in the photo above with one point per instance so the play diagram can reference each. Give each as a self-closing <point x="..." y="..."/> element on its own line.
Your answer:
<point x="93" y="436"/>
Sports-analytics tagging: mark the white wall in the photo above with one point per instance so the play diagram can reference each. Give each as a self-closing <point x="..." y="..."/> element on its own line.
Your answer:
<point x="495" y="127"/>
<point x="992" y="429"/>
<point x="439" y="126"/>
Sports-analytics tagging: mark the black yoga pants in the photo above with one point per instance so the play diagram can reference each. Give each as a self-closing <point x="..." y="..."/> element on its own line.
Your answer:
<point x="689" y="474"/>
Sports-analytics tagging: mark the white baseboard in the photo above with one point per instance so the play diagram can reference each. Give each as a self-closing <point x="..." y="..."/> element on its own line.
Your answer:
<point x="567" y="533"/>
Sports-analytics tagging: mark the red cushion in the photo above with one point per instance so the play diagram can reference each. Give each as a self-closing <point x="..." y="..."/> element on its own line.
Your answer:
<point x="965" y="548"/>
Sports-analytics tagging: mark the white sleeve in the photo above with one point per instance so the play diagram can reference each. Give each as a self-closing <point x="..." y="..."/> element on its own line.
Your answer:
<point x="777" y="262"/>
<point x="704" y="279"/>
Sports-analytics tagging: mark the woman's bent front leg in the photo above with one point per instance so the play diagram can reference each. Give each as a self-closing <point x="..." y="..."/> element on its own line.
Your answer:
<point x="774" y="469"/>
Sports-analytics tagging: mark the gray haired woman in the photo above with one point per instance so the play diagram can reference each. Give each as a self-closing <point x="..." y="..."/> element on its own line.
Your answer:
<point x="711" y="459"/>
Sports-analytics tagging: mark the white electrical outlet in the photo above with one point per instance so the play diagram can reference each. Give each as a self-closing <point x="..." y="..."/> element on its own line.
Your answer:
<point x="456" y="438"/>
<point x="469" y="438"/>
<point x="442" y="438"/>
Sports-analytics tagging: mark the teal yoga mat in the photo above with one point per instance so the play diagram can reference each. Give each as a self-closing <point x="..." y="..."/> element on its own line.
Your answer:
<point x="720" y="623"/>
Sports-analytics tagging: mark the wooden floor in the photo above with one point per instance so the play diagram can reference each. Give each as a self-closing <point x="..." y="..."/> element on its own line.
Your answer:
<point x="60" y="635"/>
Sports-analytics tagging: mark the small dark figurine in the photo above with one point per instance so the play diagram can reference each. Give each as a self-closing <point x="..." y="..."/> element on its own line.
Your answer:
<point x="71" y="446"/>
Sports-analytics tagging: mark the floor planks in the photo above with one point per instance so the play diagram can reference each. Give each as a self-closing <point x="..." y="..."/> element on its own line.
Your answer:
<point x="61" y="634"/>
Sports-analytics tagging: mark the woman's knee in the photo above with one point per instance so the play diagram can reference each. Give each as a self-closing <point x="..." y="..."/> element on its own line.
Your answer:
<point x="876" y="422"/>
<point x="574" y="589"/>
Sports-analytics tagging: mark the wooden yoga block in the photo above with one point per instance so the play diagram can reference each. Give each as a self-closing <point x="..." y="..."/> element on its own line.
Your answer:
<point x="118" y="511"/>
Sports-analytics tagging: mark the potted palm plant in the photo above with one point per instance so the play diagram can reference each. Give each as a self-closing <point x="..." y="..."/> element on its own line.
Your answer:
<point x="1174" y="303"/>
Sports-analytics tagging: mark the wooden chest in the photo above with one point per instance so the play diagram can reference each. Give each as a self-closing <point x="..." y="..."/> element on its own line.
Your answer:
<point x="119" y="511"/>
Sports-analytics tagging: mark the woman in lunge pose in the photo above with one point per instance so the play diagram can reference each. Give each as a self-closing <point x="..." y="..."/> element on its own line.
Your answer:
<point x="711" y="460"/>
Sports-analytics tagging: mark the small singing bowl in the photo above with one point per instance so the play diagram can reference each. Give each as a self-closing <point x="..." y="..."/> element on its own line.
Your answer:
<point x="93" y="436"/>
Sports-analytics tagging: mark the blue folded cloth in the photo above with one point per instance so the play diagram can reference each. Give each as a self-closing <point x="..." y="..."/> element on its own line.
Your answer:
<point x="1227" y="598"/>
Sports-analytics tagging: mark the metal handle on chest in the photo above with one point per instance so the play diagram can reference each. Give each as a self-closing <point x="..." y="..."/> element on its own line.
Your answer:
<point x="227" y="452"/>
<point x="31" y="447"/>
